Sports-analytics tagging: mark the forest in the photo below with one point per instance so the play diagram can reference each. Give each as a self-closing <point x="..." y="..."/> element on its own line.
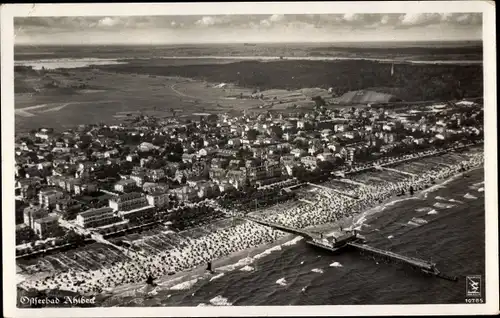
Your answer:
<point x="409" y="82"/>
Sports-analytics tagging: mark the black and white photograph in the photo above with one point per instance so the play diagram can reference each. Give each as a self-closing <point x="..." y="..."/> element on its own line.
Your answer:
<point x="209" y="158"/>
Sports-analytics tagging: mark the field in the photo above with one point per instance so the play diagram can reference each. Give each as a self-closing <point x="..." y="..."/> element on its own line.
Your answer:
<point x="158" y="80"/>
<point x="113" y="96"/>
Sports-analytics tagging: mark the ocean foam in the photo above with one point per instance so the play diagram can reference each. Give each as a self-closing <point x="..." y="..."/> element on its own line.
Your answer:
<point x="442" y="205"/>
<point x="153" y="292"/>
<point x="470" y="196"/>
<point x="247" y="269"/>
<point x="282" y="281"/>
<point x="419" y="221"/>
<point x="301" y="262"/>
<point x="431" y="212"/>
<point x="232" y="267"/>
<point x="424" y="209"/>
<point x="185" y="285"/>
<point x="441" y="198"/>
<point x="335" y="264"/>
<point x="455" y="201"/>
<point x="220" y="301"/>
<point x="317" y="270"/>
<point x="480" y="189"/>
<point x="267" y="252"/>
<point x="217" y="276"/>
<point x="390" y="236"/>
<point x="293" y="242"/>
<point x="413" y="223"/>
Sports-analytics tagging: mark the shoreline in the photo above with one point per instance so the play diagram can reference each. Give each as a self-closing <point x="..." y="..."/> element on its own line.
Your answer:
<point x="236" y="259"/>
<point x="85" y="62"/>
<point x="247" y="256"/>
<point x="226" y="264"/>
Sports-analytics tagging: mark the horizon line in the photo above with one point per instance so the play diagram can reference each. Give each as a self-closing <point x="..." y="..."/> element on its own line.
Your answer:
<point x="249" y="42"/>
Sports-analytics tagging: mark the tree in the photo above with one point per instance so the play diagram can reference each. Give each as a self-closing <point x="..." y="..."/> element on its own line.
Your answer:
<point x="319" y="101"/>
<point x="252" y="134"/>
<point x="276" y="131"/>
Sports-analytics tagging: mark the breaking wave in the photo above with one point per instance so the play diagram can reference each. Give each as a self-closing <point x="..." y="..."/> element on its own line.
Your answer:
<point x="217" y="276"/>
<point x="470" y="196"/>
<point x="431" y="212"/>
<point x="424" y="209"/>
<point x="232" y="267"/>
<point x="443" y="206"/>
<point x="185" y="285"/>
<point x="419" y="221"/>
<point x="247" y="269"/>
<point x="267" y="252"/>
<point x="293" y="242"/>
<point x="317" y="270"/>
<point x="282" y="281"/>
<point x="220" y="301"/>
<point x="335" y="264"/>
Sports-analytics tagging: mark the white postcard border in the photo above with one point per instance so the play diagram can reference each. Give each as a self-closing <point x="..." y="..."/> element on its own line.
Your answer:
<point x="491" y="186"/>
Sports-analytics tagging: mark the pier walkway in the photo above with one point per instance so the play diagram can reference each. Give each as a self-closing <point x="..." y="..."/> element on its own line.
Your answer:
<point x="357" y="242"/>
<point x="284" y="228"/>
<point x="422" y="264"/>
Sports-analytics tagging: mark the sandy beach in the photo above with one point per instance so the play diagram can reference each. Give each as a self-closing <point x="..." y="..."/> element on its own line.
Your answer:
<point x="232" y="247"/>
<point x="244" y="258"/>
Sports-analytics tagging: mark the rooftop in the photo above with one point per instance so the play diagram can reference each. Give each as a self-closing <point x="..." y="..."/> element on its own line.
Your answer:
<point x="47" y="219"/>
<point x="127" y="196"/>
<point x="93" y="212"/>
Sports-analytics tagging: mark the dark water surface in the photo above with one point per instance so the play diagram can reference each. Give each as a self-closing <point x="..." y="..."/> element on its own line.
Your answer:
<point x="453" y="238"/>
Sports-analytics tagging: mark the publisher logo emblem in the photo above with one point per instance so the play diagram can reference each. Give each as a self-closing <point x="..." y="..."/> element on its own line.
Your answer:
<point x="473" y="286"/>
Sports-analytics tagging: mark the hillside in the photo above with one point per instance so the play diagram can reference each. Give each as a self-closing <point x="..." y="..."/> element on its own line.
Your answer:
<point x="414" y="82"/>
<point x="365" y="97"/>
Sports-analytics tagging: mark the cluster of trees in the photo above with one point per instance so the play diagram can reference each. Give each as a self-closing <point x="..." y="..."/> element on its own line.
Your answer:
<point x="415" y="82"/>
<point x="25" y="235"/>
<point x="424" y="51"/>
<point x="23" y="69"/>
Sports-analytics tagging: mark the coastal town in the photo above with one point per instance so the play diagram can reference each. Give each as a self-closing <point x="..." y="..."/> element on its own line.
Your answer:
<point x="98" y="206"/>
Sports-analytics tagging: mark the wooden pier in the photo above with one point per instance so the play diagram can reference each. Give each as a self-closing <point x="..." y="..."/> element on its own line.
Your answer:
<point x="353" y="240"/>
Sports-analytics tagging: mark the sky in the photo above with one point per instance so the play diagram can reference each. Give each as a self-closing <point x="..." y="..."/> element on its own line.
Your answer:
<point x="248" y="28"/>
